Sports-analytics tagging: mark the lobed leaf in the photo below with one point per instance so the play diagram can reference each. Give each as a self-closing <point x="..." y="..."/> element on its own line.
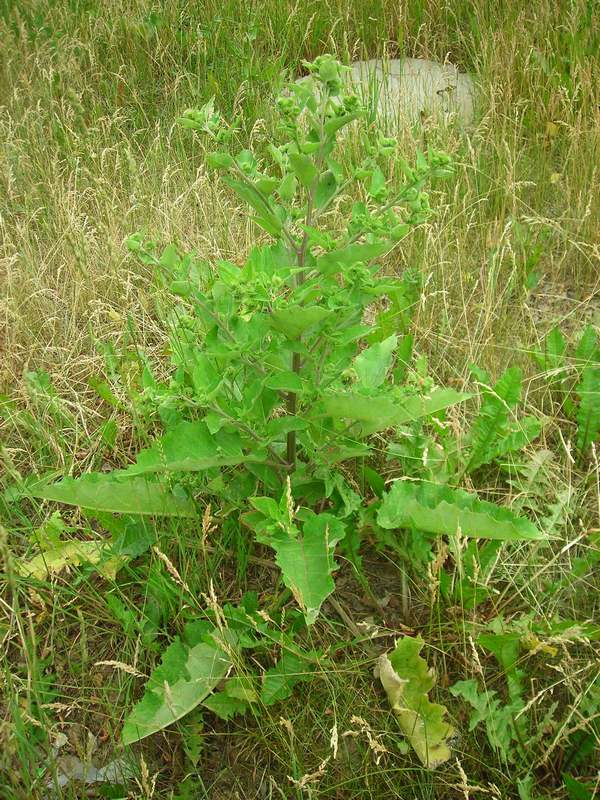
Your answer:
<point x="279" y="681"/>
<point x="588" y="413"/>
<point x="224" y="706"/>
<point x="490" y="425"/>
<point x="526" y="430"/>
<point x="306" y="560"/>
<point x="443" y="510"/>
<point x="407" y="682"/>
<point x="552" y="356"/>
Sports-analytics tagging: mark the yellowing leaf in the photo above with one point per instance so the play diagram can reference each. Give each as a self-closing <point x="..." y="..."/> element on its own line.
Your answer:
<point x="407" y="682"/>
<point x="71" y="554"/>
<point x="535" y="645"/>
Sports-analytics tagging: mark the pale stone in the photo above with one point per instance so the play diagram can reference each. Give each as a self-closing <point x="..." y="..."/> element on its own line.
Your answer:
<point x="412" y="89"/>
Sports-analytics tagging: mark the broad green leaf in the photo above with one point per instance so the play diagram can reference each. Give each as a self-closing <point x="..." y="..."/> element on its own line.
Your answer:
<point x="279" y="681"/>
<point x="577" y="790"/>
<point x="407" y="681"/>
<point x="246" y="161"/>
<point x="287" y="187"/>
<point x="267" y="506"/>
<point x="131" y="536"/>
<point x="326" y="188"/>
<point x="443" y="510"/>
<point x="185" y="677"/>
<point x="231" y="275"/>
<point x="270" y="260"/>
<point x="306" y="560"/>
<point x="71" y="554"/>
<point x="51" y="532"/>
<point x="205" y="376"/>
<point x="223" y="706"/>
<point x="268" y="224"/>
<point x="352" y="334"/>
<point x="285" y="381"/>
<point x="100" y="492"/>
<point x="377" y="187"/>
<point x="296" y="320"/>
<point x="412" y="408"/>
<point x="189" y="447"/>
<point x="267" y="185"/>
<point x="334" y="124"/>
<point x="372" y="365"/>
<point x="505" y="646"/>
<point x="242" y="687"/>
<point x="361" y="408"/>
<point x="332" y="262"/>
<point x="384" y="411"/>
<point x="283" y="425"/>
<point x="304" y="169"/>
<point x="254" y="198"/>
<point x="219" y="160"/>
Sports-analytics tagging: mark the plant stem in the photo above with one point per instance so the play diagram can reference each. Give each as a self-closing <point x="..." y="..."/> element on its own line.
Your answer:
<point x="291" y="405"/>
<point x="292" y="399"/>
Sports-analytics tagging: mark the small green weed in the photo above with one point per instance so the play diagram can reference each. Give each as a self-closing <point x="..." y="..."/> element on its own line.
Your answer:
<point x="575" y="380"/>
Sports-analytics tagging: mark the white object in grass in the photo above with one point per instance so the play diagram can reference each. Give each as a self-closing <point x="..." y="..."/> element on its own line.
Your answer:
<point x="413" y="89"/>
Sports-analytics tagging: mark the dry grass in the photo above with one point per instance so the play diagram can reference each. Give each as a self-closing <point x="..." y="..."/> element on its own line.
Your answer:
<point x="89" y="154"/>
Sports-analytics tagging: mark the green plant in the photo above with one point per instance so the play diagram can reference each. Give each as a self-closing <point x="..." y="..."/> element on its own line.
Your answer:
<point x="210" y="654"/>
<point x="515" y="728"/>
<point x="497" y="431"/>
<point x="493" y="434"/>
<point x="280" y="383"/>
<point x="574" y="378"/>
